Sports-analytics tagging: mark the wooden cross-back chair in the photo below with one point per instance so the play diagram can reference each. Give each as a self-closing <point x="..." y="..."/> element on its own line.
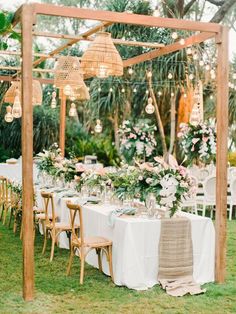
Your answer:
<point x="86" y="244"/>
<point x="5" y="198"/>
<point x="51" y="226"/>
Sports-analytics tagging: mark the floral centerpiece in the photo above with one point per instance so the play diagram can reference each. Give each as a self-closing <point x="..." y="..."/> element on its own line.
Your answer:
<point x="92" y="178"/>
<point x="170" y="185"/>
<point x="52" y="162"/>
<point x="137" y="141"/>
<point x="198" y="142"/>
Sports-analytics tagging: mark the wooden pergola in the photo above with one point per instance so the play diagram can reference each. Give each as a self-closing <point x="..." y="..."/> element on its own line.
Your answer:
<point x="26" y="15"/>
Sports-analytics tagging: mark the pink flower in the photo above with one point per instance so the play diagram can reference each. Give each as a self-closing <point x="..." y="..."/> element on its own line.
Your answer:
<point x="132" y="135"/>
<point x="205" y="139"/>
<point x="180" y="134"/>
<point x="182" y="171"/>
<point x="195" y="140"/>
<point x="193" y="148"/>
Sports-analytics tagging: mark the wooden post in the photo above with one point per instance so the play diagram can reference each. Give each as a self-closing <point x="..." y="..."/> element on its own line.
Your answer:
<point x="62" y="124"/>
<point x="27" y="153"/>
<point x="221" y="157"/>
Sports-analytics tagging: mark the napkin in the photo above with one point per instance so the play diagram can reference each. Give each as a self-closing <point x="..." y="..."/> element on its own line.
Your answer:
<point x="118" y="212"/>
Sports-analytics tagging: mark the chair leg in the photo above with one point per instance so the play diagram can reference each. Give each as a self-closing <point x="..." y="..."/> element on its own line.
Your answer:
<point x="45" y="241"/>
<point x="204" y="210"/>
<point x="195" y="209"/>
<point x="2" y="212"/>
<point x="211" y="214"/>
<point x="82" y="258"/>
<point x="110" y="262"/>
<point x="4" y="215"/>
<point x="53" y="245"/>
<point x="99" y="259"/>
<point x="230" y="212"/>
<point x="72" y="253"/>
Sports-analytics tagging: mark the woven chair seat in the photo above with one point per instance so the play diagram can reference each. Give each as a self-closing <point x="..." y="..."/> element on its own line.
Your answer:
<point x="93" y="242"/>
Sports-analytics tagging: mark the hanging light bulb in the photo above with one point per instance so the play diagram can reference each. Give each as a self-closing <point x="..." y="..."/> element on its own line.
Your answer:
<point x="189" y="51"/>
<point x="111" y="90"/>
<point x="182" y="41"/>
<point x="201" y="63"/>
<point x="130" y="71"/>
<point x="147" y="91"/>
<point x="98" y="126"/>
<point x="72" y="111"/>
<point x="195" y="56"/>
<point x="8" y="116"/>
<point x="99" y="89"/>
<point x="174" y="35"/>
<point x="149" y="108"/>
<point x="191" y="76"/>
<point x="156" y="12"/>
<point x="123" y="90"/>
<point x="170" y="76"/>
<point x="211" y="97"/>
<point x="16" y="108"/>
<point x="159" y="93"/>
<point x="135" y="90"/>
<point x="149" y="73"/>
<point x="185" y="95"/>
<point x="172" y="94"/>
<point x="234" y="76"/>
<point x="207" y="67"/>
<point x="67" y="90"/>
<point x="54" y="102"/>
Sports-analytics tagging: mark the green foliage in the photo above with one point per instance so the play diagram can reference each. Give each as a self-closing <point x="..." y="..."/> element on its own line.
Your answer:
<point x="6" y="27"/>
<point x="232" y="159"/>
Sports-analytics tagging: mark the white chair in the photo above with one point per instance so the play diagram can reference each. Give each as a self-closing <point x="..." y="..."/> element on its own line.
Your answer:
<point x="232" y="198"/>
<point x="231" y="173"/>
<point x="203" y="174"/>
<point x="209" y="195"/>
<point x="192" y="201"/>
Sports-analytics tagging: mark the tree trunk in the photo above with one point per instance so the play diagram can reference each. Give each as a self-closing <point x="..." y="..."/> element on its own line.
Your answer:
<point x="158" y="117"/>
<point x="172" y="124"/>
<point x="116" y="128"/>
<point x="220" y="14"/>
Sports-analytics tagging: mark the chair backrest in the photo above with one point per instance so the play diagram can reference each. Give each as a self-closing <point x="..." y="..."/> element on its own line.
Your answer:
<point x="209" y="188"/>
<point x="203" y="174"/>
<point x="4" y="190"/>
<point x="233" y="189"/>
<point x="49" y="204"/>
<point x="76" y="211"/>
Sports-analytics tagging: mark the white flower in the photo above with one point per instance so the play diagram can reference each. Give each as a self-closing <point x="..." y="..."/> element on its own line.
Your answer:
<point x="149" y="180"/>
<point x="140" y="178"/>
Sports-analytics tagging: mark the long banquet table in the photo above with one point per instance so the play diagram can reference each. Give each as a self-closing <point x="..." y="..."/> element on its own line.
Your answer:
<point x="135" y="243"/>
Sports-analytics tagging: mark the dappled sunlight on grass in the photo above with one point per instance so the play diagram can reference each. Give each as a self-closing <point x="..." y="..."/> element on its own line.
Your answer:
<point x="57" y="293"/>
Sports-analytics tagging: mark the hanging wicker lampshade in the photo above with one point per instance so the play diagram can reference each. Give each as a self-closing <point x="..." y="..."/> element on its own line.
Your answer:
<point x="102" y="59"/>
<point x="15" y="89"/>
<point x="68" y="72"/>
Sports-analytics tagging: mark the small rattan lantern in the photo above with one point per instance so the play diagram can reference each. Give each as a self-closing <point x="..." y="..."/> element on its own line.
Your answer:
<point x="68" y="72"/>
<point x="15" y="89"/>
<point x="78" y="93"/>
<point x="102" y="59"/>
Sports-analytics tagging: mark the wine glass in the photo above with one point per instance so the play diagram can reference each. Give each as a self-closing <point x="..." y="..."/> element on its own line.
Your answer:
<point x="151" y="204"/>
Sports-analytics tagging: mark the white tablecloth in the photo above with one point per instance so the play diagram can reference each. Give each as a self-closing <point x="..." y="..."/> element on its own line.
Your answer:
<point x="14" y="171"/>
<point x="135" y="244"/>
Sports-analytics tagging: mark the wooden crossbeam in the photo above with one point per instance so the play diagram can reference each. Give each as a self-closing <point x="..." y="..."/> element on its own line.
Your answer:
<point x="192" y="40"/>
<point x="40" y="79"/>
<point x="124" y="18"/>
<point x="73" y="41"/>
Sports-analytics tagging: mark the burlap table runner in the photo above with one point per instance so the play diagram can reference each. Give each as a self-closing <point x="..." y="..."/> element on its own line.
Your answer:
<point x="176" y="258"/>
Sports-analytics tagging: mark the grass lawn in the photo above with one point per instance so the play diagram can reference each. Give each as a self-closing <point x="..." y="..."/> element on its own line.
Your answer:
<point x="57" y="293"/>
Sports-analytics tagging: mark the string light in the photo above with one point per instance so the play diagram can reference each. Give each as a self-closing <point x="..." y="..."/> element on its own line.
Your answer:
<point x="170" y="76"/>
<point x="98" y="126"/>
<point x="149" y="108"/>
<point x="211" y="97"/>
<point x="72" y="111"/>
<point x="234" y="76"/>
<point x="191" y="76"/>
<point x="54" y="102"/>
<point x="182" y="41"/>
<point x="99" y="89"/>
<point x="123" y="90"/>
<point x="185" y="95"/>
<point x="159" y="93"/>
<point x="8" y="116"/>
<point x="201" y="63"/>
<point x="135" y="90"/>
<point x="130" y="71"/>
<point x="149" y="73"/>
<point x="189" y="51"/>
<point x="207" y="67"/>
<point x="67" y="90"/>
<point x="146" y="91"/>
<point x="111" y="90"/>
<point x="195" y="56"/>
<point x="174" y="35"/>
<point x="172" y="94"/>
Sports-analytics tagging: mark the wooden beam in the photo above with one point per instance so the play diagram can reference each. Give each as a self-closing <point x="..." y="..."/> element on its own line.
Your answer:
<point x="41" y="80"/>
<point x="222" y="151"/>
<point x="115" y="40"/>
<point x="192" y="40"/>
<point x="27" y="153"/>
<point x="124" y="18"/>
<point x="73" y="41"/>
<point x="19" y="69"/>
<point x="18" y="53"/>
<point x="62" y="124"/>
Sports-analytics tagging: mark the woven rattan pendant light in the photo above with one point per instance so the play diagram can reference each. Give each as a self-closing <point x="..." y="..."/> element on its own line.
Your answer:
<point x="102" y="59"/>
<point x="15" y="89"/>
